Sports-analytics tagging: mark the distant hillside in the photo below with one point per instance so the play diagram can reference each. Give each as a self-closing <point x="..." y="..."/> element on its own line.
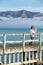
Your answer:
<point x="21" y="13"/>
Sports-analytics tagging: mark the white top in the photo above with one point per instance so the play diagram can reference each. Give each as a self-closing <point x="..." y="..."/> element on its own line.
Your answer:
<point x="32" y="32"/>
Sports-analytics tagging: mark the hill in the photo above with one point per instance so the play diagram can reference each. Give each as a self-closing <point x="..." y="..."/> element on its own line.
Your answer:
<point x="21" y="13"/>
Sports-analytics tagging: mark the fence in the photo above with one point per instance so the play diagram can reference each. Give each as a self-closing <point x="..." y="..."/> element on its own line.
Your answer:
<point x="21" y="54"/>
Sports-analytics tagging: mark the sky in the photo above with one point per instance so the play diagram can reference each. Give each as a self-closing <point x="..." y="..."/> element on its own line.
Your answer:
<point x="30" y="5"/>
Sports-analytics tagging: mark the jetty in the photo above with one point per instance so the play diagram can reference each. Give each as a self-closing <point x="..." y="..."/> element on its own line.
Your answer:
<point x="19" y="52"/>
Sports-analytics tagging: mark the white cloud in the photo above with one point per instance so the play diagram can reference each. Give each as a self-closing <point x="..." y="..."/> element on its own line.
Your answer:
<point x="21" y="23"/>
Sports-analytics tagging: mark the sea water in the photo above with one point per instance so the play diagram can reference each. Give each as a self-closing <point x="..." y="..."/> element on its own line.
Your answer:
<point x="7" y="30"/>
<point x="18" y="30"/>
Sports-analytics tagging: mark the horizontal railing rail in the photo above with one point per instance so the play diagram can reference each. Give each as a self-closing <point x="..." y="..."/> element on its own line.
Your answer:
<point x="20" y="34"/>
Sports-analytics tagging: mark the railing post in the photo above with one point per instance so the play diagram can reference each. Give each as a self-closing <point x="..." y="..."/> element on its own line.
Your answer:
<point x="22" y="57"/>
<point x="40" y="39"/>
<point x="4" y="49"/>
<point x="29" y="57"/>
<point x="26" y="56"/>
<point x="24" y="41"/>
<point x="0" y="57"/>
<point x="4" y="42"/>
<point x="35" y="57"/>
<point x="23" y="48"/>
<point x="32" y="55"/>
<point x="18" y="57"/>
<point x="9" y="58"/>
<point x="13" y="57"/>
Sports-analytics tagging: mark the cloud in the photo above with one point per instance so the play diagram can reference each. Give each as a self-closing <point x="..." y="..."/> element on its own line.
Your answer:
<point x="21" y="23"/>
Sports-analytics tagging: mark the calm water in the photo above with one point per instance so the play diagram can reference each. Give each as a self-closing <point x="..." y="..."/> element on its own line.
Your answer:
<point x="17" y="30"/>
<point x="14" y="30"/>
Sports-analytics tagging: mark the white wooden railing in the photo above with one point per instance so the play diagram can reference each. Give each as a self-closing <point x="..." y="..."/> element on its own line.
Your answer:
<point x="23" y="52"/>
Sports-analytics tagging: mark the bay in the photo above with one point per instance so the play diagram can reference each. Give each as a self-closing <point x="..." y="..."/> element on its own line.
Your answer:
<point x="17" y="30"/>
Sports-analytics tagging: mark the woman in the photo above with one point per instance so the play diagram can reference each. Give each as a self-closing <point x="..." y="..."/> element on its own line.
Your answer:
<point x="32" y="34"/>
